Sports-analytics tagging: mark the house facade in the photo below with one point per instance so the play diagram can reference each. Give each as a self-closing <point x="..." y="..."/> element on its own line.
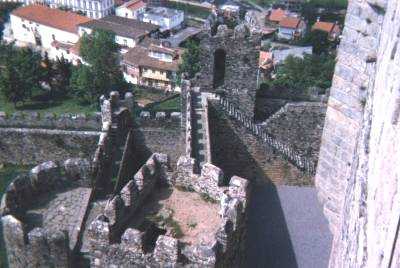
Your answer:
<point x="291" y="28"/>
<point x="132" y="10"/>
<point x="152" y="65"/>
<point x="46" y="29"/>
<point x="91" y="8"/>
<point x="167" y="18"/>
<point x="332" y="29"/>
<point x="128" y="32"/>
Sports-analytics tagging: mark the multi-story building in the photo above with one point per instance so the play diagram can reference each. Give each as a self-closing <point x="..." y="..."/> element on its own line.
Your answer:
<point x="91" y="8"/>
<point x="95" y="9"/>
<point x="152" y="65"/>
<point x="128" y="32"/>
<point x="332" y="29"/>
<point x="291" y="28"/>
<point x="167" y="18"/>
<point x="132" y="10"/>
<point x="49" y="30"/>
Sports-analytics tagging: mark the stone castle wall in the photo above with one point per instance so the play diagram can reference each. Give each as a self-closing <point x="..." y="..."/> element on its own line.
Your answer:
<point x="51" y="121"/>
<point x="30" y="146"/>
<point x="240" y="80"/>
<point x="33" y="243"/>
<point x="300" y="126"/>
<point x="354" y="74"/>
<point x="359" y="165"/>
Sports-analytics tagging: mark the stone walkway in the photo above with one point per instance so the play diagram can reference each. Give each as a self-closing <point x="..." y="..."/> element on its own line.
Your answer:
<point x="199" y="137"/>
<point x="62" y="211"/>
<point x="287" y="228"/>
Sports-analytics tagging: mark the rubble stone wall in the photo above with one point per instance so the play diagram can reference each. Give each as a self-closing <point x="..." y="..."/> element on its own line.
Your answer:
<point x="158" y="134"/>
<point x="241" y="65"/>
<point x="300" y="126"/>
<point x="40" y="246"/>
<point x="168" y="251"/>
<point x="125" y="203"/>
<point x="31" y="146"/>
<point x="51" y="121"/>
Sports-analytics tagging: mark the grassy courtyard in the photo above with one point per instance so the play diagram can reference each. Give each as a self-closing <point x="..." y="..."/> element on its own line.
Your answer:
<point x="42" y="105"/>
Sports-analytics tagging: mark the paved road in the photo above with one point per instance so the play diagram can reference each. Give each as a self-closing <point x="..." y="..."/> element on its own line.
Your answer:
<point x="287" y="228"/>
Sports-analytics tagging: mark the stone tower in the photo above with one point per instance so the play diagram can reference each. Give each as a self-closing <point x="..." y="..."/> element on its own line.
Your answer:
<point x="359" y="164"/>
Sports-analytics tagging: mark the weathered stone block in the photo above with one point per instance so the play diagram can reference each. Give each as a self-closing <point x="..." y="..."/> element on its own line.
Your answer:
<point x="214" y="173"/>
<point x="44" y="176"/>
<point x="161" y="115"/>
<point x="166" y="250"/>
<point x="77" y="169"/>
<point x="132" y="240"/>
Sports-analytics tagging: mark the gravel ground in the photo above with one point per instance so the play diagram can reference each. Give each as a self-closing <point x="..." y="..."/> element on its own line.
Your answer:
<point x="286" y="228"/>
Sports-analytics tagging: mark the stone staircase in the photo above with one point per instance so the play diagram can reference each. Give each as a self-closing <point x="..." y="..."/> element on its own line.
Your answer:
<point x="199" y="132"/>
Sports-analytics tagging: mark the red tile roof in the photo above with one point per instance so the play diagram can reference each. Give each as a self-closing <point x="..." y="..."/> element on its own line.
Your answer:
<point x="324" y="26"/>
<point x="277" y="15"/>
<point x="290" y="22"/>
<point x="55" y="18"/>
<point x="135" y="4"/>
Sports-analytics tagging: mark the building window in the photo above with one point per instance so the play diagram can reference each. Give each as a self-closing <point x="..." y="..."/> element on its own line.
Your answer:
<point x="125" y="42"/>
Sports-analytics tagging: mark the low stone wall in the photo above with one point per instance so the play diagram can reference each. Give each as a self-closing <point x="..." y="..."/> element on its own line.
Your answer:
<point x="125" y="203"/>
<point x="36" y="244"/>
<point x="168" y="251"/>
<point x="22" y="146"/>
<point x="239" y="152"/>
<point x="51" y="121"/>
<point x="300" y="126"/>
<point x="303" y="162"/>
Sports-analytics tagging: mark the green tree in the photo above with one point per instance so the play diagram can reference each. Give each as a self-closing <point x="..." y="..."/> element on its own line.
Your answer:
<point x="20" y="74"/>
<point x="82" y="84"/>
<point x="100" y="52"/>
<point x="190" y="59"/>
<point x="300" y="74"/>
<point x="48" y="73"/>
<point x="62" y="76"/>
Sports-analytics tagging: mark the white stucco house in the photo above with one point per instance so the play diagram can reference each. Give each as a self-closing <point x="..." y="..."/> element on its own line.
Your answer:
<point x="91" y="8"/>
<point x="167" y="18"/>
<point x="132" y="10"/>
<point x="291" y="28"/>
<point x="49" y="30"/>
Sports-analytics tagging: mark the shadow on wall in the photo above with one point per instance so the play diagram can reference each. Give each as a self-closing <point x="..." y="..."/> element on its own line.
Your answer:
<point x="268" y="242"/>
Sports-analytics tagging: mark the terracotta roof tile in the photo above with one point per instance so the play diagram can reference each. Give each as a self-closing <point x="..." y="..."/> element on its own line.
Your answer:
<point x="63" y="20"/>
<point x="324" y="26"/>
<point x="135" y="4"/>
<point x="277" y="15"/>
<point x="290" y="22"/>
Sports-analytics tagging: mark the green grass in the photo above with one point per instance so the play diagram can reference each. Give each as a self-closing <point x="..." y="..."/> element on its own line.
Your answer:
<point x="42" y="106"/>
<point x="173" y="104"/>
<point x="7" y="174"/>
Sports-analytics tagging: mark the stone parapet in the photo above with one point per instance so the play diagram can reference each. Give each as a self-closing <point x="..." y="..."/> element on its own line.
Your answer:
<point x="223" y="251"/>
<point x="44" y="244"/>
<point x="51" y="121"/>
